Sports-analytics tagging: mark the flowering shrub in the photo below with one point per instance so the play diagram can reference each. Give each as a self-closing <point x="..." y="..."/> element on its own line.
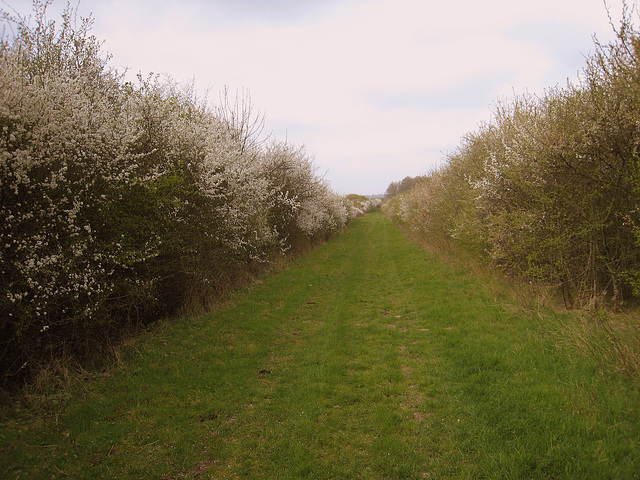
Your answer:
<point x="122" y="202"/>
<point x="359" y="204"/>
<point x="549" y="188"/>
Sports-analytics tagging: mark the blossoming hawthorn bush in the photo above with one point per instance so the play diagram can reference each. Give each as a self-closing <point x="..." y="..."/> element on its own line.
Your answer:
<point x="302" y="206"/>
<point x="64" y="147"/>
<point x="549" y="188"/>
<point x="359" y="204"/>
<point x="122" y="202"/>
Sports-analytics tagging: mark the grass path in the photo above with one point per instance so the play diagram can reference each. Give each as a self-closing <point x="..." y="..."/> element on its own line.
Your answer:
<point x="368" y="359"/>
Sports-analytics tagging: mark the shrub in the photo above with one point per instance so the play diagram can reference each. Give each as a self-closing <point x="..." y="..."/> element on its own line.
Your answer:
<point x="549" y="188"/>
<point x="124" y="202"/>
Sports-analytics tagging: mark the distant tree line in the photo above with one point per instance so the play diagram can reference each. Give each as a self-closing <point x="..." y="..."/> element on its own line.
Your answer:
<point x="550" y="187"/>
<point x="396" y="188"/>
<point x="125" y="202"/>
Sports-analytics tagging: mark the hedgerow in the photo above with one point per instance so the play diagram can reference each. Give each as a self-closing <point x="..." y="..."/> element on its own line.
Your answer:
<point x="125" y="201"/>
<point x="550" y="187"/>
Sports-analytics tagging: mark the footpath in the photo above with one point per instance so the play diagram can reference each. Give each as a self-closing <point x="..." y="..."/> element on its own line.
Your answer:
<point x="366" y="359"/>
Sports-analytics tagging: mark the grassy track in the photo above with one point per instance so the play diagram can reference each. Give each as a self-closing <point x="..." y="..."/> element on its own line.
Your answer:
<point x="368" y="359"/>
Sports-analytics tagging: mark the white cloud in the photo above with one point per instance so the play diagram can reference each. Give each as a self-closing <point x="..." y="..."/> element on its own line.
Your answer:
<point x="376" y="89"/>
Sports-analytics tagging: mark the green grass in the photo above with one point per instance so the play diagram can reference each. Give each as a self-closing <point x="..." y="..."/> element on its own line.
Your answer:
<point x="367" y="359"/>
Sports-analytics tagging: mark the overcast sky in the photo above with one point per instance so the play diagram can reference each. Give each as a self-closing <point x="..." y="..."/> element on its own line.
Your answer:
<point x="375" y="89"/>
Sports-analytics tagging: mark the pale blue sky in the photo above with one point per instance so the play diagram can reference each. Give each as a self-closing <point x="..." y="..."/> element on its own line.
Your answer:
<point x="375" y="89"/>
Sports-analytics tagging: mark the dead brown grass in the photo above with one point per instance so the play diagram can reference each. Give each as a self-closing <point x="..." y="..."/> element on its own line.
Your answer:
<point x="613" y="339"/>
